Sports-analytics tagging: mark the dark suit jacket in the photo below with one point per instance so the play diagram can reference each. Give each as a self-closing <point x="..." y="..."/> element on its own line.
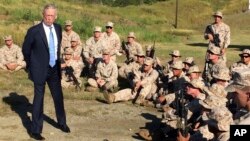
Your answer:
<point x="36" y="52"/>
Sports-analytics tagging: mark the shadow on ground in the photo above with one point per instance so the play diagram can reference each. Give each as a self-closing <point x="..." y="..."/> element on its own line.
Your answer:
<point x="21" y="105"/>
<point x="238" y="47"/>
<point x="153" y="125"/>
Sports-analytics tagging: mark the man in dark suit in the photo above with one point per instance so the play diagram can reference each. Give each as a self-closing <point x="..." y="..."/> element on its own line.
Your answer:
<point x="41" y="50"/>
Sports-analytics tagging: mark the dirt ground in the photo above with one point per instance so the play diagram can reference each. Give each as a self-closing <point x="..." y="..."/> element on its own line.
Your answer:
<point x="89" y="120"/>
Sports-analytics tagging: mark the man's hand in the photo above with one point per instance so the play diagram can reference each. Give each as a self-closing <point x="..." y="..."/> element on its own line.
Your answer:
<point x="100" y="82"/>
<point x="180" y="137"/>
<point x="63" y="65"/>
<point x="137" y="84"/>
<point x="11" y="66"/>
<point x="91" y="60"/>
<point x="210" y="37"/>
<point x="161" y="99"/>
<point x="223" y="51"/>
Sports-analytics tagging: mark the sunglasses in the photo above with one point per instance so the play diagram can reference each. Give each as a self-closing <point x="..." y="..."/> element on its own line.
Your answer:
<point x="244" y="56"/>
<point x="175" y="56"/>
<point x="109" y="27"/>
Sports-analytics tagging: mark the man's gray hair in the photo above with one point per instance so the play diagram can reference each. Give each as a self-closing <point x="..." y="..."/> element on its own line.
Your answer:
<point x="49" y="6"/>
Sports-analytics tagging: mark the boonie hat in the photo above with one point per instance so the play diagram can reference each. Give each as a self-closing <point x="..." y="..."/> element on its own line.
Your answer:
<point x="176" y="53"/>
<point x="109" y="24"/>
<point x="131" y="34"/>
<point x="97" y="29"/>
<point x="68" y="22"/>
<point x="7" y="37"/>
<point x="218" y="13"/>
<point x="148" y="61"/>
<point x="177" y="65"/>
<point x="193" y="69"/>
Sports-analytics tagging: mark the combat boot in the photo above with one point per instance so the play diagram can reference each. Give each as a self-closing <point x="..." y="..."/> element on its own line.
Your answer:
<point x="110" y="98"/>
<point x="91" y="89"/>
<point x="139" y="100"/>
<point x="147" y="103"/>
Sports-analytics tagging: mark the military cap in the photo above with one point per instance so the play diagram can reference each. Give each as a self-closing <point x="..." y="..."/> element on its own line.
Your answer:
<point x="131" y="34"/>
<point x="223" y="118"/>
<point x="189" y="60"/>
<point x="196" y="83"/>
<point x="213" y="101"/>
<point x="74" y="38"/>
<point x="105" y="52"/>
<point x="97" y="29"/>
<point x="140" y="54"/>
<point x="218" y="13"/>
<point x="148" y="61"/>
<point x="215" y="50"/>
<point x="245" y="51"/>
<point x="241" y="80"/>
<point x="177" y="65"/>
<point x="109" y="24"/>
<point x="68" y="50"/>
<point x="193" y="69"/>
<point x="148" y="47"/>
<point x="7" y="37"/>
<point x="175" y="53"/>
<point x="222" y="74"/>
<point x="68" y="22"/>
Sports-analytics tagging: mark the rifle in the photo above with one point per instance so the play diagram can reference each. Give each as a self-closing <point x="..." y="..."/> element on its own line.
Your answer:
<point x="216" y="40"/>
<point x="205" y="74"/>
<point x="125" y="48"/>
<point x="152" y="51"/>
<point x="182" y="111"/>
<point x="70" y="72"/>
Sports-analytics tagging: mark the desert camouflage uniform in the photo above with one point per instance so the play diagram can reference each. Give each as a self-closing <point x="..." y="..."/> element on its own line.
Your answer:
<point x="66" y="39"/>
<point x="113" y="42"/>
<point x="224" y="35"/>
<point x="94" y="48"/>
<point x="126" y="71"/>
<point x="178" y="84"/>
<point x="134" y="49"/>
<point x="107" y="72"/>
<point x="238" y="66"/>
<point x="216" y="88"/>
<point x="148" y="81"/>
<point x="77" y="67"/>
<point x="223" y="119"/>
<point x="214" y="68"/>
<point x="11" y="55"/>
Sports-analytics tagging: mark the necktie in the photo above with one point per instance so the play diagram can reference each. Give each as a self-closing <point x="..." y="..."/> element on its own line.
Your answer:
<point x="52" y="61"/>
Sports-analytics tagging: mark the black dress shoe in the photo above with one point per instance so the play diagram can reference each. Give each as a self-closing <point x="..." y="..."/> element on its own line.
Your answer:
<point x="36" y="136"/>
<point x="64" y="128"/>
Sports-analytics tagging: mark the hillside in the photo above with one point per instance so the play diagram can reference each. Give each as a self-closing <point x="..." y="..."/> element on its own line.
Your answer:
<point x="150" y="22"/>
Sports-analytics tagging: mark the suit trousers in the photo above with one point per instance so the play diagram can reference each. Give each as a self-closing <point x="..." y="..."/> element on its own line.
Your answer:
<point x="54" y="82"/>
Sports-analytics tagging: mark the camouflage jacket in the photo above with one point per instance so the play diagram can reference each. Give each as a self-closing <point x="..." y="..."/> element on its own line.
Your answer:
<point x="11" y="55"/>
<point x="224" y="34"/>
<point x="107" y="72"/>
<point x="113" y="41"/>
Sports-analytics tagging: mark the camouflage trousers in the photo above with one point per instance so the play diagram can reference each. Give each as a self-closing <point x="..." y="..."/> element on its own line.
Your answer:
<point x="122" y="71"/>
<point x="128" y="94"/>
<point x="21" y="65"/>
<point x="109" y="85"/>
